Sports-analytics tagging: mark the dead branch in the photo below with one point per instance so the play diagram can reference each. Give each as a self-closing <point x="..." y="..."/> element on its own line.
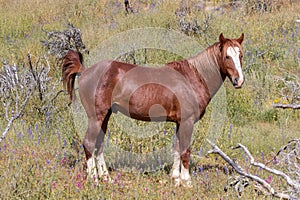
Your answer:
<point x="273" y="171"/>
<point x="289" y="92"/>
<point x="15" y="87"/>
<point x="19" y="85"/>
<point x="264" y="185"/>
<point x="285" y="106"/>
<point x="58" y="43"/>
<point x="14" y="117"/>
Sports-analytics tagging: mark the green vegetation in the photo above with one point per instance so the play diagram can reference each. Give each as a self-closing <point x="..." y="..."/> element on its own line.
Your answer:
<point x="42" y="156"/>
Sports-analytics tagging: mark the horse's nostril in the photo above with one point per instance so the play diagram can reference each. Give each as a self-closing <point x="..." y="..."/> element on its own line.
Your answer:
<point x="235" y="81"/>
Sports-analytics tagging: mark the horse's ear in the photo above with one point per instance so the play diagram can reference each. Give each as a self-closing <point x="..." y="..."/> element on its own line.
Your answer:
<point x="222" y="38"/>
<point x="240" y="39"/>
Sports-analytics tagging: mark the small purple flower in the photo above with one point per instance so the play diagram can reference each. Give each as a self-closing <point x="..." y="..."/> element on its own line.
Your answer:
<point x="119" y="175"/>
<point x="248" y="53"/>
<point x="63" y="161"/>
<point x="36" y="126"/>
<point x="54" y="184"/>
<point x="263" y="157"/>
<point x="79" y="185"/>
<point x="269" y="179"/>
<point x="65" y="142"/>
<point x="106" y="178"/>
<point x="29" y="131"/>
<point x="152" y="5"/>
<point x="146" y="189"/>
<point x="275" y="161"/>
<point x="201" y="169"/>
<point x="47" y="162"/>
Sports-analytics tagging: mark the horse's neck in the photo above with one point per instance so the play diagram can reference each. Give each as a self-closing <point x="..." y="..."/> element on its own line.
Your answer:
<point x="207" y="66"/>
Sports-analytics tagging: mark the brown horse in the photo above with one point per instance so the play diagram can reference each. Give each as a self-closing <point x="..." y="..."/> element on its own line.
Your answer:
<point x="178" y="92"/>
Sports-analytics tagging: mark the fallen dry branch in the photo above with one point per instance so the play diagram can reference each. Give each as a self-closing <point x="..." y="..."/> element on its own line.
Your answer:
<point x="285" y="106"/>
<point x="264" y="186"/>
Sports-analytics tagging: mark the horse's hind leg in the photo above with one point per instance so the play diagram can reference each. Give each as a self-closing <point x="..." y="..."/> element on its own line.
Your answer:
<point x="89" y="145"/>
<point x="93" y="144"/>
<point x="101" y="166"/>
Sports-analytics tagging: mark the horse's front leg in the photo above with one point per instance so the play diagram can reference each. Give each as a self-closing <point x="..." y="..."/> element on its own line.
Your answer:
<point x="175" y="172"/>
<point x="184" y="135"/>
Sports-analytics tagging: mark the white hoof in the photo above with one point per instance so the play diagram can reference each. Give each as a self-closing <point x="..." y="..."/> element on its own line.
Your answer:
<point x="186" y="183"/>
<point x="91" y="169"/>
<point x="175" y="174"/>
<point x="177" y="182"/>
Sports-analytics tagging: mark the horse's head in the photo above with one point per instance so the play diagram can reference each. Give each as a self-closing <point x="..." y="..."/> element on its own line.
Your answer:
<point x="231" y="59"/>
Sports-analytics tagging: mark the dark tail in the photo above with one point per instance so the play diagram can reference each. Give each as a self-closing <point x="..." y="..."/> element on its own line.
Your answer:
<point x="71" y="66"/>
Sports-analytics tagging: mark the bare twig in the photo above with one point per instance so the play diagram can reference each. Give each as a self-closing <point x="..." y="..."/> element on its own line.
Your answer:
<point x="290" y="90"/>
<point x="273" y="171"/>
<point x="14" y="117"/>
<point x="266" y="186"/>
<point x="285" y="106"/>
<point x="15" y="87"/>
<point x="59" y="43"/>
<point x="18" y="86"/>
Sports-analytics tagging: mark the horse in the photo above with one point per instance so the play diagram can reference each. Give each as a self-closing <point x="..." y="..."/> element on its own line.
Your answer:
<point x="177" y="92"/>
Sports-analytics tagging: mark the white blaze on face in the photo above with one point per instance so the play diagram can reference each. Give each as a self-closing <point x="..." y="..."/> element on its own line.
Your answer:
<point x="234" y="53"/>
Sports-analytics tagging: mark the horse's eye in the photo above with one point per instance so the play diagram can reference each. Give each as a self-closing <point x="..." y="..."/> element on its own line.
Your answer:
<point x="227" y="57"/>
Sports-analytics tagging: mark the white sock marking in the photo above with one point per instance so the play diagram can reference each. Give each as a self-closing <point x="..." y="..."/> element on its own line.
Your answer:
<point x="102" y="169"/>
<point x="176" y="165"/>
<point x="185" y="174"/>
<point x="91" y="168"/>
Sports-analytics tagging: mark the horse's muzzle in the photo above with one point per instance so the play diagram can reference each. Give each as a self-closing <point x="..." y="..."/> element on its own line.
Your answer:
<point x="237" y="82"/>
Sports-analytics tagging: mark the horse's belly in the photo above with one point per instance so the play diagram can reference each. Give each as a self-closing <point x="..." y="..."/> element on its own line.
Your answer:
<point x="149" y="104"/>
